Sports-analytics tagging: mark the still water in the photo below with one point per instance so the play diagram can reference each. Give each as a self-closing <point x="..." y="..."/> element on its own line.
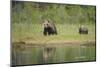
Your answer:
<point x="25" y="55"/>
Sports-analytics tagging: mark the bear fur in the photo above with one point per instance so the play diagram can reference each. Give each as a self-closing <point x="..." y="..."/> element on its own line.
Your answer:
<point x="49" y="28"/>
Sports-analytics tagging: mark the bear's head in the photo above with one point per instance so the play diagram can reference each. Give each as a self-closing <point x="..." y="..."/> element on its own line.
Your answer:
<point x="46" y="24"/>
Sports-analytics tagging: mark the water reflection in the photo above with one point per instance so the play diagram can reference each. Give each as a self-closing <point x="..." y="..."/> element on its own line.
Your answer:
<point x="23" y="54"/>
<point x="48" y="52"/>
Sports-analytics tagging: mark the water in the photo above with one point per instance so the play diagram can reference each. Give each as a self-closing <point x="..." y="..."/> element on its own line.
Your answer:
<point x="26" y="55"/>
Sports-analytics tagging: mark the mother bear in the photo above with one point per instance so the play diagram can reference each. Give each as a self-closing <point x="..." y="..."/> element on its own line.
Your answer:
<point x="49" y="28"/>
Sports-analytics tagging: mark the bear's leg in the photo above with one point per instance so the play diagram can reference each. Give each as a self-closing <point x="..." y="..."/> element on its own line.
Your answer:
<point x="79" y="31"/>
<point x="45" y="31"/>
<point x="49" y="30"/>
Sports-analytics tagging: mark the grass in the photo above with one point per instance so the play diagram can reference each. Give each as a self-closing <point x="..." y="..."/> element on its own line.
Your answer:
<point x="31" y="54"/>
<point x="34" y="33"/>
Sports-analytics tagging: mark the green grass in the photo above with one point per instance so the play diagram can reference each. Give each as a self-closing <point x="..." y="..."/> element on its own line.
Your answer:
<point x="34" y="32"/>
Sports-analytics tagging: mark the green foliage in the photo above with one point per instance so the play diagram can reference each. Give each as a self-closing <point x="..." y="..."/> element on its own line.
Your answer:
<point x="27" y="18"/>
<point x="34" y="32"/>
<point x="30" y="12"/>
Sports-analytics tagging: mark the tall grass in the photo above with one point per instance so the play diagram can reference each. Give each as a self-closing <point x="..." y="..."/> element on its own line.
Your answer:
<point x="34" y="32"/>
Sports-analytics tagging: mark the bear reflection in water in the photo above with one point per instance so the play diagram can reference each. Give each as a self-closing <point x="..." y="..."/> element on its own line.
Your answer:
<point x="48" y="52"/>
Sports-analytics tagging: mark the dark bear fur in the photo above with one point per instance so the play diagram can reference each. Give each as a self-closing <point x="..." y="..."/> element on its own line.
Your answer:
<point x="49" y="28"/>
<point x="83" y="30"/>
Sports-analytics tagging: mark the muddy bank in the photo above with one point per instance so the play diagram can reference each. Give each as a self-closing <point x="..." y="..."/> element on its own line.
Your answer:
<point x="54" y="43"/>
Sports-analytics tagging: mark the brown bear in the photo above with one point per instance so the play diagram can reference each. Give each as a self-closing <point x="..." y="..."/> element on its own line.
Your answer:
<point x="83" y="30"/>
<point x="49" y="28"/>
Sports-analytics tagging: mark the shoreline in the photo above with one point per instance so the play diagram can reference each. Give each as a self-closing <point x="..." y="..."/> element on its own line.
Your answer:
<point x="55" y="43"/>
